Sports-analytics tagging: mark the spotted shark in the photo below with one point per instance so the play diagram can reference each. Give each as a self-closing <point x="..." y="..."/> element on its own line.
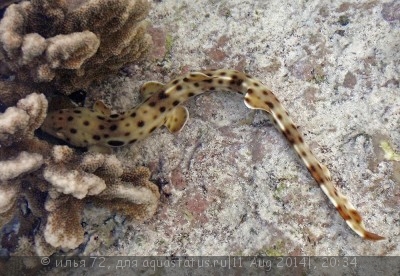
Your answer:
<point x="98" y="127"/>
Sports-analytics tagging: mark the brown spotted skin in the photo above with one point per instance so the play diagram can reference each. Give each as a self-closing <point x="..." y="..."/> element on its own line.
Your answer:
<point x="86" y="127"/>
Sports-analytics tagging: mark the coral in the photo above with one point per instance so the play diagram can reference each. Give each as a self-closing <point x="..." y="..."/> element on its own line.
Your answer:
<point x="66" y="180"/>
<point x="88" y="175"/>
<point x="66" y="45"/>
<point x="24" y="162"/>
<point x="20" y="122"/>
<point x="63" y="227"/>
<point x="62" y="46"/>
<point x="57" y="181"/>
<point x="139" y="201"/>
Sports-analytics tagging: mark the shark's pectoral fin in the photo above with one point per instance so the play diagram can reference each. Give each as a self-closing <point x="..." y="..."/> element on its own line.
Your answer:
<point x="102" y="108"/>
<point x="176" y="119"/>
<point x="149" y="88"/>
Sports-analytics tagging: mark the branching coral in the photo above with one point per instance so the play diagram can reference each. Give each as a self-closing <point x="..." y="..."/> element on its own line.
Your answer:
<point x="68" y="180"/>
<point x="66" y="45"/>
<point x="92" y="174"/>
<point x="134" y="196"/>
<point x="17" y="124"/>
<point x="48" y="46"/>
<point x="58" y="181"/>
<point x="21" y="121"/>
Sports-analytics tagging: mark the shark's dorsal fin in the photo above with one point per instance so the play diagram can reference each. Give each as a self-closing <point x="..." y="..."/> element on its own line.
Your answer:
<point x="149" y="88"/>
<point x="198" y="76"/>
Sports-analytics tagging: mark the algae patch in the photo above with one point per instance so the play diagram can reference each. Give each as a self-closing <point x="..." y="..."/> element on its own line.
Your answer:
<point x="390" y="154"/>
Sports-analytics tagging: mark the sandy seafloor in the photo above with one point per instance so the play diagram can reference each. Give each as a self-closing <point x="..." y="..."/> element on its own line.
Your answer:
<point x="232" y="184"/>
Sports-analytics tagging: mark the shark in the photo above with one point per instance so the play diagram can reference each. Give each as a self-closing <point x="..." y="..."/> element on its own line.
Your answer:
<point x="98" y="128"/>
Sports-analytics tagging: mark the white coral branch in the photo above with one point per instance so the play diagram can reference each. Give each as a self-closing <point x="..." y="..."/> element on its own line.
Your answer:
<point x="77" y="183"/>
<point x="23" y="119"/>
<point x="35" y="105"/>
<point x="23" y="163"/>
<point x="144" y="197"/>
<point x="62" y="154"/>
<point x="33" y="46"/>
<point x="12" y="121"/>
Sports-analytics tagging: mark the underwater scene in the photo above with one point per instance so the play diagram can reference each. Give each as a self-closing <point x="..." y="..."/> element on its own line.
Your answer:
<point x="198" y="128"/>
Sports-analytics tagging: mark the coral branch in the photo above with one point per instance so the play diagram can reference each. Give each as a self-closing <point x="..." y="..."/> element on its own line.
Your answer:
<point x="20" y="122"/>
<point x="23" y="163"/>
<point x="63" y="228"/>
<point x="77" y="43"/>
<point x="139" y="201"/>
<point x="78" y="184"/>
